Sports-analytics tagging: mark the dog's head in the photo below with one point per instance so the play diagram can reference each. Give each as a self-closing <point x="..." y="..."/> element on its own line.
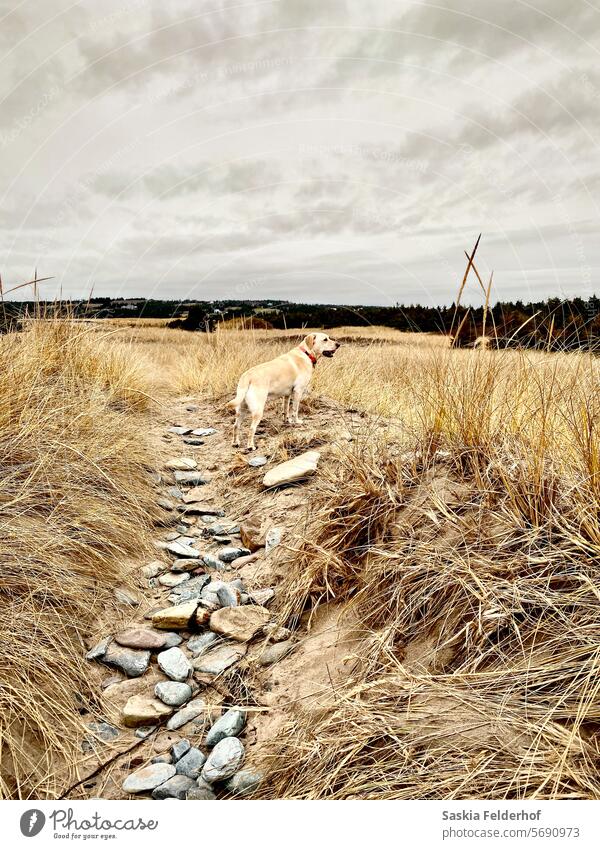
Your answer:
<point x="321" y="344"/>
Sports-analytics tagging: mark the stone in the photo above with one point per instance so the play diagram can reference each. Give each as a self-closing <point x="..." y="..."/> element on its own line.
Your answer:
<point x="257" y="462"/>
<point x="211" y="562"/>
<point x="165" y="503"/>
<point x="141" y="710"/>
<point x="172" y="639"/>
<point x="204" y="431"/>
<point x="239" y="623"/>
<point x="173" y="693"/>
<point x="153" y="570"/>
<point x="179" y="749"/>
<point x="218" y="660"/>
<point x="144" y="731"/>
<point x="155" y="477"/>
<point x="186" y="564"/>
<point x="140" y="638"/>
<point x="229" y="596"/>
<point x="110" y="680"/>
<point x="148" y="777"/>
<point x="192" y="710"/>
<point x="181" y="529"/>
<point x="201" y="643"/>
<point x="181" y="464"/>
<point x="240" y="562"/>
<point x="100" y="731"/>
<point x="273" y="538"/>
<point x="201" y="791"/>
<point x="275" y="652"/>
<point x="178" y="616"/>
<point x="191" y="478"/>
<point x="226" y="555"/>
<point x="276" y="633"/>
<point x="193" y="440"/>
<point x="171" y="536"/>
<point x="251" y="537"/>
<point x="181" y="550"/>
<point x="224" y="761"/>
<point x="197" y="495"/>
<point x="192" y="408"/>
<point x="191" y="763"/>
<point x="262" y="596"/>
<point x="175" y="788"/>
<point x="125" y="598"/>
<point x="296" y="469"/>
<point x="228" y="725"/>
<point x="244" y="782"/>
<point x="162" y="759"/>
<point x="99" y="650"/>
<point x="172" y="579"/>
<point x="178" y="430"/>
<point x="175" y="664"/>
<point x="130" y="661"/>
<point x="175" y="492"/>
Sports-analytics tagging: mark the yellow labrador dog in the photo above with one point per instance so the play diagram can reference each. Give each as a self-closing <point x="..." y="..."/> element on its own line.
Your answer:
<point x="284" y="377"/>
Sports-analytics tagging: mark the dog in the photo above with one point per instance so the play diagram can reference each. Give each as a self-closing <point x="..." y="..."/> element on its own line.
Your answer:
<point x="287" y="377"/>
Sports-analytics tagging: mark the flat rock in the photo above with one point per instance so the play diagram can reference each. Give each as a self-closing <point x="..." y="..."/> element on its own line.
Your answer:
<point x="226" y="555"/>
<point x="257" y="462"/>
<point x="296" y="469"/>
<point x="244" y="782"/>
<point x="274" y="653"/>
<point x="165" y="503"/>
<point x="201" y="791"/>
<point x="228" y="725"/>
<point x="175" y="788"/>
<point x="172" y="639"/>
<point x="218" y="660"/>
<point x="132" y="662"/>
<point x="175" y="664"/>
<point x="229" y="596"/>
<point x="178" y="616"/>
<point x="239" y="623"/>
<point x="126" y="598"/>
<point x="224" y="761"/>
<point x="198" y="496"/>
<point x="99" y="650"/>
<point x="144" y="731"/>
<point x="180" y="549"/>
<point x="240" y="562"/>
<point x="140" y="638"/>
<point x="251" y="536"/>
<point x="173" y="693"/>
<point x="273" y="538"/>
<point x="193" y="440"/>
<point x="99" y="732"/>
<point x="191" y="478"/>
<point x="178" y="430"/>
<point x="192" y="710"/>
<point x="185" y="564"/>
<point x="181" y="464"/>
<point x="172" y="579"/>
<point x="148" y="777"/>
<point x="262" y="596"/>
<point x="211" y="562"/>
<point x="200" y="643"/>
<point x="179" y="749"/>
<point x="204" y="431"/>
<point x="141" y="710"/>
<point x="191" y="763"/>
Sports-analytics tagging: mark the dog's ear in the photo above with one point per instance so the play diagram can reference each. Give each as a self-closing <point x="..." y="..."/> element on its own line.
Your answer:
<point x="310" y="340"/>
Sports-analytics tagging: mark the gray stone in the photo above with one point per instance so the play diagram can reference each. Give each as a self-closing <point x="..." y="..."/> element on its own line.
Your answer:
<point x="296" y="469"/>
<point x="229" y="596"/>
<point x="171" y="579"/>
<point x="181" y="529"/>
<point x="202" y="642"/>
<point x="175" y="788"/>
<point x="224" y="761"/>
<point x="186" y="564"/>
<point x="244" y="782"/>
<point x="99" y="650"/>
<point x="274" y="653"/>
<point x="262" y="596"/>
<point x="228" y="725"/>
<point x="125" y="598"/>
<point x="130" y="661"/>
<point x="174" y="664"/>
<point x="181" y="550"/>
<point x="218" y="660"/>
<point x="172" y="639"/>
<point x="191" y="478"/>
<point x="175" y="492"/>
<point x="186" y="714"/>
<point x="212" y="562"/>
<point x="172" y="535"/>
<point x="100" y="731"/>
<point x="181" y="464"/>
<point x="179" y="431"/>
<point x="201" y="791"/>
<point x="179" y="749"/>
<point x="162" y="759"/>
<point x="148" y="777"/>
<point x="145" y="731"/>
<point x="221" y="539"/>
<point x="231" y="553"/>
<point x="204" y="431"/>
<point x="257" y="462"/>
<point x="191" y="763"/>
<point x="193" y="440"/>
<point x="165" y="503"/>
<point x="173" y="693"/>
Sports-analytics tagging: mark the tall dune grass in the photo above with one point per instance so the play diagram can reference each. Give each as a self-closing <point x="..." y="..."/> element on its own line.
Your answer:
<point x="75" y="501"/>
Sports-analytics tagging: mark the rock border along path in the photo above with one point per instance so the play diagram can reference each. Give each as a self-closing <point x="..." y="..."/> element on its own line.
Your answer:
<point x="202" y="624"/>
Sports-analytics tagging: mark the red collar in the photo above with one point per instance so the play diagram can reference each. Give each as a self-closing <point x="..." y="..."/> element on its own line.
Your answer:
<point x="310" y="356"/>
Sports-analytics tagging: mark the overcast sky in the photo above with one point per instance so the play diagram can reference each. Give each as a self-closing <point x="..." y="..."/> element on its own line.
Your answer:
<point x="312" y="150"/>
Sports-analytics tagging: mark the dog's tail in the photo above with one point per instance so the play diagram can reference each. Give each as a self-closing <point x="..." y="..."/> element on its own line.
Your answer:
<point x="237" y="402"/>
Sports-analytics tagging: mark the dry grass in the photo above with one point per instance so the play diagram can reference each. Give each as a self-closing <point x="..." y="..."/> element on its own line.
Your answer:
<point x="75" y="500"/>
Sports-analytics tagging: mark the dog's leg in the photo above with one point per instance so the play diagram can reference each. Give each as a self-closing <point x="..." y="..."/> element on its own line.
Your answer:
<point x="296" y="398"/>
<point x="255" y="401"/>
<point x="236" y="427"/>
<point x="286" y="408"/>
